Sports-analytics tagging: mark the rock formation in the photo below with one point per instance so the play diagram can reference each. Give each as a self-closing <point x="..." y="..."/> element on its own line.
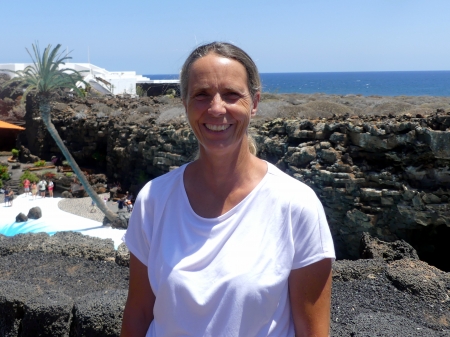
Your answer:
<point x="74" y="285"/>
<point x="382" y="170"/>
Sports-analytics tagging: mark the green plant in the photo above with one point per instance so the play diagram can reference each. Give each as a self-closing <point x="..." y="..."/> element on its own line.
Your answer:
<point x="171" y="93"/>
<point x="39" y="163"/>
<point x="65" y="163"/>
<point x="4" y="175"/>
<point x="68" y="174"/>
<point x="15" y="153"/>
<point x="140" y="91"/>
<point x="30" y="176"/>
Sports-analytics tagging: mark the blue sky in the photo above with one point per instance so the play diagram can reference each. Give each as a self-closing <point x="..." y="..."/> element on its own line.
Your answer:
<point x="154" y="37"/>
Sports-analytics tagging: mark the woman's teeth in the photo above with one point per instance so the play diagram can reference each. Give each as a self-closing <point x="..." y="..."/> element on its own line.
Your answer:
<point x="215" y="127"/>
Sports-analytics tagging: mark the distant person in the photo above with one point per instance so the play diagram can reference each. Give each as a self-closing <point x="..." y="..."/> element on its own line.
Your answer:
<point x="34" y="190"/>
<point x="6" y="195"/>
<point x="228" y="244"/>
<point x="120" y="203"/>
<point x="129" y="206"/>
<point x="42" y="185"/>
<point x="26" y="186"/>
<point x="50" y="188"/>
<point x="93" y="208"/>
<point x="11" y="197"/>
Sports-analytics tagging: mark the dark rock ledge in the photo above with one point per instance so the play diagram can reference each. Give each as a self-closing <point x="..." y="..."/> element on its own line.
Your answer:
<point x="74" y="285"/>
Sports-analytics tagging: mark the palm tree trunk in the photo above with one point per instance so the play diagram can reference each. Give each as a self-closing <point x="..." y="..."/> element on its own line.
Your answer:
<point x="44" y="109"/>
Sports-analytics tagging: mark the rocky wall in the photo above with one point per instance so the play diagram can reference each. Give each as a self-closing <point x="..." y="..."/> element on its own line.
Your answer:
<point x="385" y="175"/>
<point x="69" y="285"/>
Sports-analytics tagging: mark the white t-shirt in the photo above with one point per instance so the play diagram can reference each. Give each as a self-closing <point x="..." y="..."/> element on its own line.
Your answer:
<point x="42" y="185"/>
<point x="226" y="276"/>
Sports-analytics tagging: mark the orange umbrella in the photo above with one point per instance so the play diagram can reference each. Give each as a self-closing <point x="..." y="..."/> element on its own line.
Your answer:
<point x="4" y="125"/>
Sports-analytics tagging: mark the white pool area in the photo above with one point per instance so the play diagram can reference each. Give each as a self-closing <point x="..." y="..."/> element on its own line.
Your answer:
<point x="53" y="220"/>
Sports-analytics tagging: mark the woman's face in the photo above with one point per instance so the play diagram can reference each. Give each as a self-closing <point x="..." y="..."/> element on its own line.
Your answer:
<point x="218" y="102"/>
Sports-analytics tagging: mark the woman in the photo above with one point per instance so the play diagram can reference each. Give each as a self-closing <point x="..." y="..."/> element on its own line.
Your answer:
<point x="34" y="189"/>
<point x="227" y="245"/>
<point x="10" y="196"/>
<point x="50" y="188"/>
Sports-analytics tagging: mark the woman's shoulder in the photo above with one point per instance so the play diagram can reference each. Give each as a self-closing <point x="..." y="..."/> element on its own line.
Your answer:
<point x="159" y="186"/>
<point x="287" y="188"/>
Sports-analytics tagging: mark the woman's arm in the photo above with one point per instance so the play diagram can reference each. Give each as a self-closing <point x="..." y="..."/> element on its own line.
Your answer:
<point x="138" y="312"/>
<point x="310" y="296"/>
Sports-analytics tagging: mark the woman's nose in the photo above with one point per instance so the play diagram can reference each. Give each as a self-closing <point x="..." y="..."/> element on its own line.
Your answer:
<point x="217" y="107"/>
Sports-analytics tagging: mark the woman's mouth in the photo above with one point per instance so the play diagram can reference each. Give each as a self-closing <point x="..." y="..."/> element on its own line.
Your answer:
<point x="217" y="127"/>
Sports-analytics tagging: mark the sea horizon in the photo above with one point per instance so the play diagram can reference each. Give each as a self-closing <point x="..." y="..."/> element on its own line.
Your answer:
<point x="366" y="83"/>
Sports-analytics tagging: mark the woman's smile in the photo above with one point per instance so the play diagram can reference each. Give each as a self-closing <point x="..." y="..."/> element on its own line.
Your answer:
<point x="217" y="127"/>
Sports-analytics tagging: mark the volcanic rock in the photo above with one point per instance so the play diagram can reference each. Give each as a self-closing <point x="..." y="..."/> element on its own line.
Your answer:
<point x="21" y="217"/>
<point x="34" y="213"/>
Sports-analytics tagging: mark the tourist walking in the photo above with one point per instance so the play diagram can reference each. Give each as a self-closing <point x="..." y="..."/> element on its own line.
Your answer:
<point x="33" y="190"/>
<point x="42" y="186"/>
<point x="227" y="245"/>
<point x="26" y="186"/>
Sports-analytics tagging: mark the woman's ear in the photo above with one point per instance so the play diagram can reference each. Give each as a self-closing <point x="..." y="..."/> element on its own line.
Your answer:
<point x="256" y="99"/>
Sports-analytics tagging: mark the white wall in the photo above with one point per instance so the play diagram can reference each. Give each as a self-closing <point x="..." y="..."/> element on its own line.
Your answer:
<point x="123" y="81"/>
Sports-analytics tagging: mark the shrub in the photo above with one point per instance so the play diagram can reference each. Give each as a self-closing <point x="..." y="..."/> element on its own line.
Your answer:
<point x="4" y="175"/>
<point x="39" y="163"/>
<point x="140" y="91"/>
<point x="15" y="153"/>
<point x="30" y="176"/>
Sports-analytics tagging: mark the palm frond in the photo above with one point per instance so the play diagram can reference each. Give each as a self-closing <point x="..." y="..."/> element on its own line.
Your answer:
<point x="47" y="72"/>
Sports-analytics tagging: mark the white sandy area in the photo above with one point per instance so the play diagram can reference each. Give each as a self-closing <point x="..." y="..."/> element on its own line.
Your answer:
<point x="53" y="220"/>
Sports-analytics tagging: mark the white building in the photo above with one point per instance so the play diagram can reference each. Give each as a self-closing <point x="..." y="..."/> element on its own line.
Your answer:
<point x="104" y="81"/>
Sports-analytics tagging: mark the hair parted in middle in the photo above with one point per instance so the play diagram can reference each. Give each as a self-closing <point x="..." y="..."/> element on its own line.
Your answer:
<point x="226" y="50"/>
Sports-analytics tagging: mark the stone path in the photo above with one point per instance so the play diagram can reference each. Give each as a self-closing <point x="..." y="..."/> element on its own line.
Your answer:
<point x="82" y="207"/>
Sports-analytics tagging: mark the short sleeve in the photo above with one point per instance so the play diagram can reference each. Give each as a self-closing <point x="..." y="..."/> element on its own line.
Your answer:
<point x="136" y="237"/>
<point x="311" y="233"/>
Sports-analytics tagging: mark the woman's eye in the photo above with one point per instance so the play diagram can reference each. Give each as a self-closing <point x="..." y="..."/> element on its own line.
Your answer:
<point x="232" y="96"/>
<point x="200" y="96"/>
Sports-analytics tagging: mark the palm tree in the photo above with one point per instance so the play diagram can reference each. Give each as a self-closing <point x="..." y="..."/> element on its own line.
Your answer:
<point x="44" y="77"/>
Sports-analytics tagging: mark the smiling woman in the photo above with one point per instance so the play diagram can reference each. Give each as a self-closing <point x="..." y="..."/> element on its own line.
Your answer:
<point x="227" y="245"/>
<point x="218" y="103"/>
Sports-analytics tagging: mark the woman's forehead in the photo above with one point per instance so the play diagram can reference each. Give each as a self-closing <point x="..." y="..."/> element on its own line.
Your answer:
<point x="212" y="67"/>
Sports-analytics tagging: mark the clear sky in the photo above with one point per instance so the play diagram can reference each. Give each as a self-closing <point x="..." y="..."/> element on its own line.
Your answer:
<point x="154" y="37"/>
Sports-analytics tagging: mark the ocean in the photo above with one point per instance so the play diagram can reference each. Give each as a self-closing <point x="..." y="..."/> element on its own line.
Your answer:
<point x="382" y="83"/>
